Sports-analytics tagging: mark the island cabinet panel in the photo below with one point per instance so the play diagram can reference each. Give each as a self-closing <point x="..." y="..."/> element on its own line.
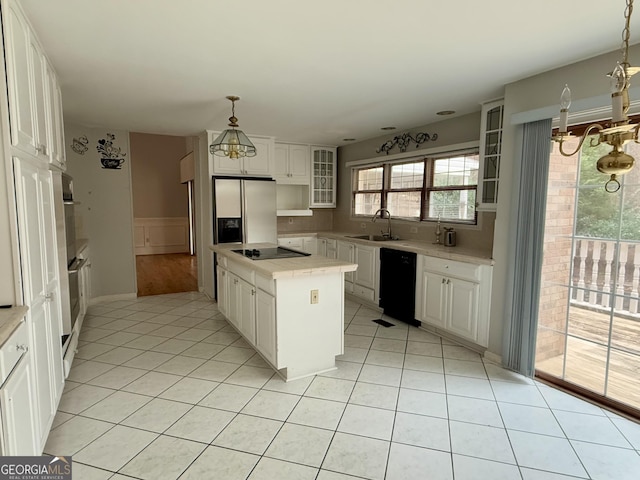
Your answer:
<point x="294" y="317"/>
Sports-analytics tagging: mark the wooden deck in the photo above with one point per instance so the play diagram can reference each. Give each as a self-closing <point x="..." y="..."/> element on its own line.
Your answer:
<point x="586" y="359"/>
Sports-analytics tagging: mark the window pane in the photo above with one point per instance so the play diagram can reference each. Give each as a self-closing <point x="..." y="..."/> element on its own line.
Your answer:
<point x="456" y="171"/>
<point x="367" y="203"/>
<point x="370" y="179"/>
<point x="453" y="204"/>
<point x="407" y="175"/>
<point x="404" y="204"/>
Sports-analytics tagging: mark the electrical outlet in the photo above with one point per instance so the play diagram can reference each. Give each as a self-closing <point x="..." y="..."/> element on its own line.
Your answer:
<point x="363" y="226"/>
<point x="314" y="296"/>
<point x="290" y="220"/>
<point x="414" y="230"/>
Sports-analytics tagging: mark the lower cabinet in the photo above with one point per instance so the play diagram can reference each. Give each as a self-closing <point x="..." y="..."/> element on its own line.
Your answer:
<point x="326" y="247"/>
<point x="455" y="297"/>
<point x="266" y="340"/>
<point x="304" y="244"/>
<point x="222" y="280"/>
<point x="364" y="282"/>
<point x="18" y="411"/>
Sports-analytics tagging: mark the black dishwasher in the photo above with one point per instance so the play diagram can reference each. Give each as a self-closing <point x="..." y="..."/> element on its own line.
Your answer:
<point x="398" y="284"/>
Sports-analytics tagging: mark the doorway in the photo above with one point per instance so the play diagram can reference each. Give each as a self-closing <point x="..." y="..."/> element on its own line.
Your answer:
<point x="163" y="211"/>
<point x="588" y="336"/>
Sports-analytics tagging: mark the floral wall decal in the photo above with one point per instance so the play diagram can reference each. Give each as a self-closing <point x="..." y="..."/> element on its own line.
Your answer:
<point x="80" y="145"/>
<point x="112" y="156"/>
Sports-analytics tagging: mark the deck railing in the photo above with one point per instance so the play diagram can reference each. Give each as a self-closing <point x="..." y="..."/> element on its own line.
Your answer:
<point x="606" y="274"/>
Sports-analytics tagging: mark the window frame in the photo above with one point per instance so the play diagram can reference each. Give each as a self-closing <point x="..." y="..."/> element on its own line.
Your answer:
<point x="425" y="190"/>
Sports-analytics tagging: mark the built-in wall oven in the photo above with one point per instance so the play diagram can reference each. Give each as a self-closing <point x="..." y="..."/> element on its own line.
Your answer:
<point x="73" y="264"/>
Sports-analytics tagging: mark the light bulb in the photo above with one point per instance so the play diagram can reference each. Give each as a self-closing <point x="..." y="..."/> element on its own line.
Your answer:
<point x="565" y="98"/>
<point x="618" y="83"/>
<point x="565" y="103"/>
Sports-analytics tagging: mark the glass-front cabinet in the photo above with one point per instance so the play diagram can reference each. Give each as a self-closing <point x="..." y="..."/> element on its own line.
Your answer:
<point x="490" y="154"/>
<point x="323" y="177"/>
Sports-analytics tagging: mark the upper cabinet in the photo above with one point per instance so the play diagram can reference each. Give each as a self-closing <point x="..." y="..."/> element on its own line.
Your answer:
<point x="323" y="177"/>
<point x="35" y="106"/>
<point x="291" y="164"/>
<point x="260" y="165"/>
<point x="490" y="154"/>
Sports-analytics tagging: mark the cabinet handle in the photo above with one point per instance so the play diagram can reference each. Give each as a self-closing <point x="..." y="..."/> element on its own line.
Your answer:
<point x="448" y="281"/>
<point x="41" y="149"/>
<point x="253" y="292"/>
<point x="48" y="297"/>
<point x="443" y="280"/>
<point x="22" y="348"/>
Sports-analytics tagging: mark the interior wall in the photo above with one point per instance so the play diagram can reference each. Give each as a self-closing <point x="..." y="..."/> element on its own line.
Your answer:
<point x="104" y="215"/>
<point x="155" y="176"/>
<point x="453" y="131"/>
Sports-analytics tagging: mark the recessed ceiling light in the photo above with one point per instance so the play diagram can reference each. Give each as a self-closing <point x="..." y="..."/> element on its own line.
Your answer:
<point x="446" y="112"/>
<point x="388" y="128"/>
<point x="348" y="139"/>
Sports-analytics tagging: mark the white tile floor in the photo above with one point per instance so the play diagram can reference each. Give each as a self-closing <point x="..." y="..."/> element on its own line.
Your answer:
<point x="163" y="388"/>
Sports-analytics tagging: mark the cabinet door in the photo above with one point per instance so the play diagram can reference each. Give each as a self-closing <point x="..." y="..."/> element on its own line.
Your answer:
<point x="323" y="177"/>
<point x="297" y="243"/>
<point x="40" y="100"/>
<point x="58" y="156"/>
<point x="17" y="411"/>
<point x="345" y="252"/>
<point x="19" y="78"/>
<point x="299" y="164"/>
<point x="322" y="247"/>
<point x="247" y="310"/>
<point x="266" y="340"/>
<point x="233" y="310"/>
<point x="227" y="165"/>
<point x="261" y="163"/>
<point x="222" y="277"/>
<point x="281" y="163"/>
<point x="310" y="245"/>
<point x="490" y="154"/>
<point x="366" y="258"/>
<point x="463" y="308"/>
<point x="434" y="298"/>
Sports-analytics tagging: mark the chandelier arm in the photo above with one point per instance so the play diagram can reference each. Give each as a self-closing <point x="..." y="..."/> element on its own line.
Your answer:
<point x="635" y="133"/>
<point x="590" y="128"/>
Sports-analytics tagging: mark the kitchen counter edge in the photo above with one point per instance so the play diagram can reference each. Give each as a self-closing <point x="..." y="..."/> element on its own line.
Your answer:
<point x="284" y="267"/>
<point x="10" y="318"/>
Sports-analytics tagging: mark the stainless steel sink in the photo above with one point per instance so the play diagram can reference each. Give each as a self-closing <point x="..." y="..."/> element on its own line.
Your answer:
<point x="374" y="238"/>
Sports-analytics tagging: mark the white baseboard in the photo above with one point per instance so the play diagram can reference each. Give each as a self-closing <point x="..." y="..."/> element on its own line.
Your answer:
<point x="113" y="298"/>
<point x="493" y="357"/>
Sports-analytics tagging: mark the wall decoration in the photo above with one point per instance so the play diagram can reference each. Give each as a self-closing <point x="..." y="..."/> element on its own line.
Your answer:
<point x="403" y="141"/>
<point x="112" y="156"/>
<point x="80" y="145"/>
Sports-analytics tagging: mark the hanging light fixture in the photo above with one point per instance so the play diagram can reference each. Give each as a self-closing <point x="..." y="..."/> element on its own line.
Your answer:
<point x="233" y="143"/>
<point x="620" y="130"/>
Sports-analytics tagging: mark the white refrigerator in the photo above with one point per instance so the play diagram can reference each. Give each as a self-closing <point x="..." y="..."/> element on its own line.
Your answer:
<point x="244" y="210"/>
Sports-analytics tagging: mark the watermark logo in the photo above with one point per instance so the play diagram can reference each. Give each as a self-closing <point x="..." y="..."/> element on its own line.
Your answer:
<point x="35" y="468"/>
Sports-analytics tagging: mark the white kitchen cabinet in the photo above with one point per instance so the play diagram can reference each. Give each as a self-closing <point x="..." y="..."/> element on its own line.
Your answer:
<point x="41" y="287"/>
<point x="367" y="259"/>
<point x="454" y="296"/>
<point x="222" y="296"/>
<point x="303" y="244"/>
<point x="266" y="335"/>
<point x="84" y="282"/>
<point x="19" y="77"/>
<point x="40" y="100"/>
<point x="247" y="310"/>
<point x="18" y="412"/>
<point x="291" y="164"/>
<point x="57" y="151"/>
<point x="345" y="251"/>
<point x="260" y="164"/>
<point x="323" y="177"/>
<point x="490" y="154"/>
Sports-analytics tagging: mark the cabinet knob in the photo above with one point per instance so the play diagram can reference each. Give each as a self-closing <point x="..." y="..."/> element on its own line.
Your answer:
<point x="253" y="292"/>
<point x="22" y="348"/>
<point x="48" y="297"/>
<point x="443" y="280"/>
<point x="448" y="281"/>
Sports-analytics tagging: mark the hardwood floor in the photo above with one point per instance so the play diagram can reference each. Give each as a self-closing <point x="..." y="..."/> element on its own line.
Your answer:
<point x="169" y="273"/>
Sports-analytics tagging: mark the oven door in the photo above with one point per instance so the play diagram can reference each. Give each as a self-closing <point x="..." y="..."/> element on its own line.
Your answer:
<point x="74" y="289"/>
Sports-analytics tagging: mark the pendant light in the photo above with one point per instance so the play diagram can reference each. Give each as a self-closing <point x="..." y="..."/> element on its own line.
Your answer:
<point x="233" y="143"/>
<point x="619" y="130"/>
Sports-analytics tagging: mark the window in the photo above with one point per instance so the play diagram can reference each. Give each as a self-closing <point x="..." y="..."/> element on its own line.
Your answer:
<point x="425" y="189"/>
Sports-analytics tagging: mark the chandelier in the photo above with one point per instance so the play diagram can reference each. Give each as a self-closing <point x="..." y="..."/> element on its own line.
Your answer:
<point x="619" y="131"/>
<point x="233" y="143"/>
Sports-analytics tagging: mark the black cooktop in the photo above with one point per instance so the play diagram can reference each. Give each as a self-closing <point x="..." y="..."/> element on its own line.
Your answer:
<point x="270" y="253"/>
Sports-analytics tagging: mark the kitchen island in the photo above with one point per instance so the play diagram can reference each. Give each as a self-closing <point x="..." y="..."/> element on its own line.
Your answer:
<point x="291" y="310"/>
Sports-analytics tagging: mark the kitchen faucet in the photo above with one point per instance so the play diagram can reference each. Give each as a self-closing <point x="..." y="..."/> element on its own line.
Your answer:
<point x="381" y="211"/>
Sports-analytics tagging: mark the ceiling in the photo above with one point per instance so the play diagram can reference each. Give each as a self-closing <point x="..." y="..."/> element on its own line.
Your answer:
<point x="306" y="72"/>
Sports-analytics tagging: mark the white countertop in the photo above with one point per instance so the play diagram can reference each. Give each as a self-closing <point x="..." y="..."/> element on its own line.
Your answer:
<point x="10" y="318"/>
<point x="460" y="254"/>
<point x="284" y="267"/>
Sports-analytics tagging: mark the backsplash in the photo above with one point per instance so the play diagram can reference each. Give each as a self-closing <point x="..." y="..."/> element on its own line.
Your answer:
<point x="320" y="221"/>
